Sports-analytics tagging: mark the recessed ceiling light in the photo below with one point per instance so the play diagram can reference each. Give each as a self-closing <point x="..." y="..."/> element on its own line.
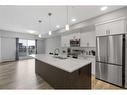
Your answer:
<point x="57" y="26"/>
<point x="73" y="19"/>
<point x="39" y="36"/>
<point x="31" y="31"/>
<point x="50" y="32"/>
<point x="104" y="8"/>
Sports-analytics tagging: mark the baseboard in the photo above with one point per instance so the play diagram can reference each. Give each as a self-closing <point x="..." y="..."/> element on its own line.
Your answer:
<point x="7" y="60"/>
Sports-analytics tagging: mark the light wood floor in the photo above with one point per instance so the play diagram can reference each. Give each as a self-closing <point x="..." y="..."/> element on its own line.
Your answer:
<point x="21" y="75"/>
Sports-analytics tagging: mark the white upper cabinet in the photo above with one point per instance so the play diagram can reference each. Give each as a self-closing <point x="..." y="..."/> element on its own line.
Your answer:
<point x="116" y="27"/>
<point x="88" y="39"/>
<point x="65" y="39"/>
<point x="101" y="30"/>
<point x="111" y="28"/>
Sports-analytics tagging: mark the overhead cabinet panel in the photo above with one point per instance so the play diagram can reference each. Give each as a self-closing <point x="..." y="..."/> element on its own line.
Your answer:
<point x="88" y="39"/>
<point x="116" y="27"/>
<point x="101" y="30"/>
<point x="65" y="40"/>
<point x="111" y="28"/>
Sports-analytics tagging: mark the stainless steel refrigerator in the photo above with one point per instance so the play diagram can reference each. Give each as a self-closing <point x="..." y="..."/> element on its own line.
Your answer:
<point x="110" y="59"/>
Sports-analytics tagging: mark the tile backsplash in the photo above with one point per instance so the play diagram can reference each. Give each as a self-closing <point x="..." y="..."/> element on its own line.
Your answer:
<point x="80" y="51"/>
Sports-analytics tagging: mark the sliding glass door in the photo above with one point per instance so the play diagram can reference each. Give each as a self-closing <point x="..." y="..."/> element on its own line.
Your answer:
<point x="26" y="48"/>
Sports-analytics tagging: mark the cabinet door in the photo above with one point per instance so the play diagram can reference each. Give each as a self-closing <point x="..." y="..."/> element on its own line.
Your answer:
<point x="88" y="39"/>
<point x="74" y="36"/>
<point x="92" y="39"/>
<point x="101" y="30"/>
<point x="116" y="27"/>
<point x="77" y="35"/>
<point x="84" y="39"/>
<point x="62" y="41"/>
<point x="65" y="41"/>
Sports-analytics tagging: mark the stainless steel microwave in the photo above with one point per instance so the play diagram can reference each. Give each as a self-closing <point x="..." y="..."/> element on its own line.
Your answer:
<point x="75" y="43"/>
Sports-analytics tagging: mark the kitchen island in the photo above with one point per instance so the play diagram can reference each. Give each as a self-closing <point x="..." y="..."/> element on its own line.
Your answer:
<point x="67" y="73"/>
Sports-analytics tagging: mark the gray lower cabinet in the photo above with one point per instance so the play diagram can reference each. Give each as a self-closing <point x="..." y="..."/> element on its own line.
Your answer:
<point x="60" y="79"/>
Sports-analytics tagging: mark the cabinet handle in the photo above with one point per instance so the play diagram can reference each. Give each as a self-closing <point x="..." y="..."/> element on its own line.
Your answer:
<point x="107" y="31"/>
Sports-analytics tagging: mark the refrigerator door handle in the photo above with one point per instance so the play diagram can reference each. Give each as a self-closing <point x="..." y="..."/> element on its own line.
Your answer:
<point x="98" y="50"/>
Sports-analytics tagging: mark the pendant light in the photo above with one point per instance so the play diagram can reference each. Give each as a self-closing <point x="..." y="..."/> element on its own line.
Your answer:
<point x="39" y="21"/>
<point x="67" y="25"/>
<point x="50" y="32"/>
<point x="39" y="35"/>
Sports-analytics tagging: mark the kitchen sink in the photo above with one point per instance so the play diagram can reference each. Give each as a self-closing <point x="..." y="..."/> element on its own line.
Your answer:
<point x="60" y="57"/>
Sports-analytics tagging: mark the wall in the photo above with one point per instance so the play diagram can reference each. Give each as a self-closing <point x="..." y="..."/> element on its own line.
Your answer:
<point x="8" y="44"/>
<point x="52" y="44"/>
<point x="40" y="46"/>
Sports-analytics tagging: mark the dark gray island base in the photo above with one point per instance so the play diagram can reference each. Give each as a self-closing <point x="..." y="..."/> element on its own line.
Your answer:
<point x="60" y="79"/>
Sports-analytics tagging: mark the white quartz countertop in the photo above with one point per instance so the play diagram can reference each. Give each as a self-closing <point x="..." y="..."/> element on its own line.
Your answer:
<point x="69" y="64"/>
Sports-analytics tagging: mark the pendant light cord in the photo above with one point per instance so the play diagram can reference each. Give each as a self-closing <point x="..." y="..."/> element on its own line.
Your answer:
<point x="67" y="16"/>
<point x="50" y="20"/>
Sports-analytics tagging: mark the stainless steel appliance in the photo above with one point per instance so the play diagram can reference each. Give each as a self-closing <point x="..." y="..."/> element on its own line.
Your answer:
<point x="110" y="59"/>
<point x="75" y="43"/>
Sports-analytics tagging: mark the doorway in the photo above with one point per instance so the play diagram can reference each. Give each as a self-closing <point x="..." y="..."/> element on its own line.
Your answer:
<point x="26" y="48"/>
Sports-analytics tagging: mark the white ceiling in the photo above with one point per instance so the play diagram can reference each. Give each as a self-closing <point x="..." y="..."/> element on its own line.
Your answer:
<point x="25" y="18"/>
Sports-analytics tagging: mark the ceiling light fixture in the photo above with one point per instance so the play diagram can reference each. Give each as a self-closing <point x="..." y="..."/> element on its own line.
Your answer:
<point x="31" y="31"/>
<point x="67" y="25"/>
<point x="104" y="8"/>
<point x="50" y="32"/>
<point x="39" y="36"/>
<point x="57" y="26"/>
<point x="40" y="21"/>
<point x="73" y="19"/>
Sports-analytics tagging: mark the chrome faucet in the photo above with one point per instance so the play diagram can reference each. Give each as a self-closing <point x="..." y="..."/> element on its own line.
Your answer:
<point x="56" y="51"/>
